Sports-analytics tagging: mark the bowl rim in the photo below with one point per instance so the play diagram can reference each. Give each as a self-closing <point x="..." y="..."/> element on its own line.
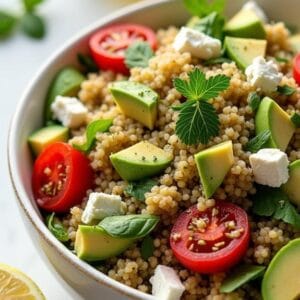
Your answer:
<point x="19" y="189"/>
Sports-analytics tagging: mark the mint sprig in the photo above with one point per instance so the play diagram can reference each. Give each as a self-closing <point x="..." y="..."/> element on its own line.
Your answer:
<point x="138" y="55"/>
<point x="203" y="8"/>
<point x="258" y="141"/>
<point x="138" y="189"/>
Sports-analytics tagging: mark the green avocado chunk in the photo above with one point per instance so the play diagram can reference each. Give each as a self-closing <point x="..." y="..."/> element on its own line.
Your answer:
<point x="243" y="51"/>
<point x="136" y="101"/>
<point x="270" y="116"/>
<point x="292" y="187"/>
<point x="295" y="42"/>
<point x="66" y="83"/>
<point x="92" y="243"/>
<point x="140" y="161"/>
<point x="213" y="164"/>
<point x="281" y="280"/>
<point x="245" y="24"/>
<point x="45" y="136"/>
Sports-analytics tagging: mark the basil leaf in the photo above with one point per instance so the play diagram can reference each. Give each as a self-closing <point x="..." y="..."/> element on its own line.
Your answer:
<point x="139" y="188"/>
<point x="147" y="247"/>
<point x="240" y="276"/>
<point x="7" y="23"/>
<point x="87" y="63"/>
<point x="138" y="55"/>
<point x="286" y="90"/>
<point x="33" y="26"/>
<point x="258" y="142"/>
<point x="282" y="59"/>
<point x="31" y="4"/>
<point x="92" y="129"/>
<point x="129" y="226"/>
<point x="254" y="101"/>
<point x="56" y="228"/>
<point x="218" y="60"/>
<point x="203" y="8"/>
<point x="296" y="119"/>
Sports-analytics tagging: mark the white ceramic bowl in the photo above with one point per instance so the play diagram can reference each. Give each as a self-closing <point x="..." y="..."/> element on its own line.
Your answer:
<point x="89" y="282"/>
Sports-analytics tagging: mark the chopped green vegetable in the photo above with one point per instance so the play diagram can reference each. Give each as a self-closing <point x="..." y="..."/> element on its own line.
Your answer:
<point x="240" y="276"/>
<point x="138" y="55"/>
<point x="139" y="188"/>
<point x="147" y="247"/>
<point x="30" y="5"/>
<point x="273" y="202"/>
<point x="203" y="8"/>
<point x="258" y="141"/>
<point x="91" y="131"/>
<point x="282" y="59"/>
<point x="218" y="60"/>
<point x="254" y="101"/>
<point x="7" y="23"/>
<point x="87" y="63"/>
<point x="56" y="228"/>
<point x="296" y="119"/>
<point x="33" y="26"/>
<point x="286" y="90"/>
<point x="129" y="226"/>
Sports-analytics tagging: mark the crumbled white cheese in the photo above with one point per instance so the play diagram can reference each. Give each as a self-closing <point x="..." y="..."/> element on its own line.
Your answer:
<point x="253" y="6"/>
<point x="263" y="74"/>
<point x="270" y="167"/>
<point x="101" y="205"/>
<point x="69" y="111"/>
<point x="166" y="284"/>
<point x="197" y="43"/>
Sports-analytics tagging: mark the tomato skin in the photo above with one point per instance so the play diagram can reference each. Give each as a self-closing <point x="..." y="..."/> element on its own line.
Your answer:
<point x="296" y="68"/>
<point x="79" y="177"/>
<point x="210" y="262"/>
<point x="116" y="61"/>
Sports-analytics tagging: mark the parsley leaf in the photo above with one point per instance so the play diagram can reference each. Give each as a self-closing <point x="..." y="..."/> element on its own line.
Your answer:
<point x="254" y="101"/>
<point x="87" y="63"/>
<point x="92" y="129"/>
<point x="56" y="228"/>
<point x="138" y="55"/>
<point x="203" y="8"/>
<point x="33" y="25"/>
<point x="286" y="90"/>
<point x="296" y="119"/>
<point x="7" y="23"/>
<point x="138" y="189"/>
<point x="258" y="141"/>
<point x="218" y="60"/>
<point x="147" y="247"/>
<point x="273" y="202"/>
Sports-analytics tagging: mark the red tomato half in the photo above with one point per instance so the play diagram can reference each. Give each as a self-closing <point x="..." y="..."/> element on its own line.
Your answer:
<point x="61" y="176"/>
<point x="296" y="68"/>
<point x="108" y="45"/>
<point x="211" y="241"/>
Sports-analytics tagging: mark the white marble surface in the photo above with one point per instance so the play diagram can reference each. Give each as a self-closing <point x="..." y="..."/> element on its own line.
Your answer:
<point x="20" y="57"/>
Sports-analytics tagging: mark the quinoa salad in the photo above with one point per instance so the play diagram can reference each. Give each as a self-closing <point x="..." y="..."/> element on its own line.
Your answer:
<point x="170" y="160"/>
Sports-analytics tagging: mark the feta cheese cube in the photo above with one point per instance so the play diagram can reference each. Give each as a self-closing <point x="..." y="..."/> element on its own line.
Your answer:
<point x="252" y="5"/>
<point x="166" y="284"/>
<point x="264" y="75"/>
<point x="197" y="43"/>
<point x="270" y="167"/>
<point x="101" y="205"/>
<point x="69" y="111"/>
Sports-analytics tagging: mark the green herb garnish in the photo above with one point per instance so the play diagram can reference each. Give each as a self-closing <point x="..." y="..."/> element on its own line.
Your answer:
<point x="87" y="63"/>
<point x="258" y="141"/>
<point x="139" y="188"/>
<point x="30" y="5"/>
<point x="91" y="131"/>
<point x="282" y="59"/>
<point x="7" y="24"/>
<point x="198" y="120"/>
<point x="295" y="118"/>
<point x="147" y="247"/>
<point x="286" y="90"/>
<point x="56" y="228"/>
<point x="273" y="202"/>
<point x="138" y="55"/>
<point x="240" y="276"/>
<point x="254" y="101"/>
<point x="218" y="60"/>
<point x="203" y="8"/>
<point x="33" y="25"/>
<point x="129" y="226"/>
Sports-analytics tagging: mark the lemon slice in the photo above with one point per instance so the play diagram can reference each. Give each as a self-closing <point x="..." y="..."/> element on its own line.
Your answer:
<point x="15" y="285"/>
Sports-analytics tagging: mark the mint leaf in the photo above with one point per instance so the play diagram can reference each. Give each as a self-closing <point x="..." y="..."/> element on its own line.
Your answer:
<point x="286" y="90"/>
<point x="240" y="276"/>
<point x="254" y="101"/>
<point x="258" y="142"/>
<point x="139" y="188"/>
<point x="30" y="5"/>
<point x="138" y="55"/>
<point x="216" y="61"/>
<point x="7" y="23"/>
<point x="33" y="26"/>
<point x="87" y="63"/>
<point x="147" y="247"/>
<point x="296" y="119"/>
<point x="203" y="8"/>
<point x="91" y="131"/>
<point x="56" y="228"/>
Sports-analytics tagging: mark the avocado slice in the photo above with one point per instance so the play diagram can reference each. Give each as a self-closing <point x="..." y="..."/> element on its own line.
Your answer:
<point x="140" y="161"/>
<point x="92" y="243"/>
<point x="292" y="187"/>
<point x="295" y="42"/>
<point x="270" y="116"/>
<point x="136" y="101"/>
<point x="281" y="280"/>
<point x="213" y="164"/>
<point x="66" y="83"/>
<point x="45" y="136"/>
<point x="245" y="24"/>
<point x="243" y="51"/>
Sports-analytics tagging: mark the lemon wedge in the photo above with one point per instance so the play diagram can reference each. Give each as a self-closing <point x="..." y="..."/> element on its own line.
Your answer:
<point x="15" y="285"/>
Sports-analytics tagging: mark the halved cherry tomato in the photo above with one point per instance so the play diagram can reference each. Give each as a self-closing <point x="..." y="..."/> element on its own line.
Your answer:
<point x="296" y="68"/>
<point x="61" y="176"/>
<point x="108" y="45"/>
<point x="210" y="241"/>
